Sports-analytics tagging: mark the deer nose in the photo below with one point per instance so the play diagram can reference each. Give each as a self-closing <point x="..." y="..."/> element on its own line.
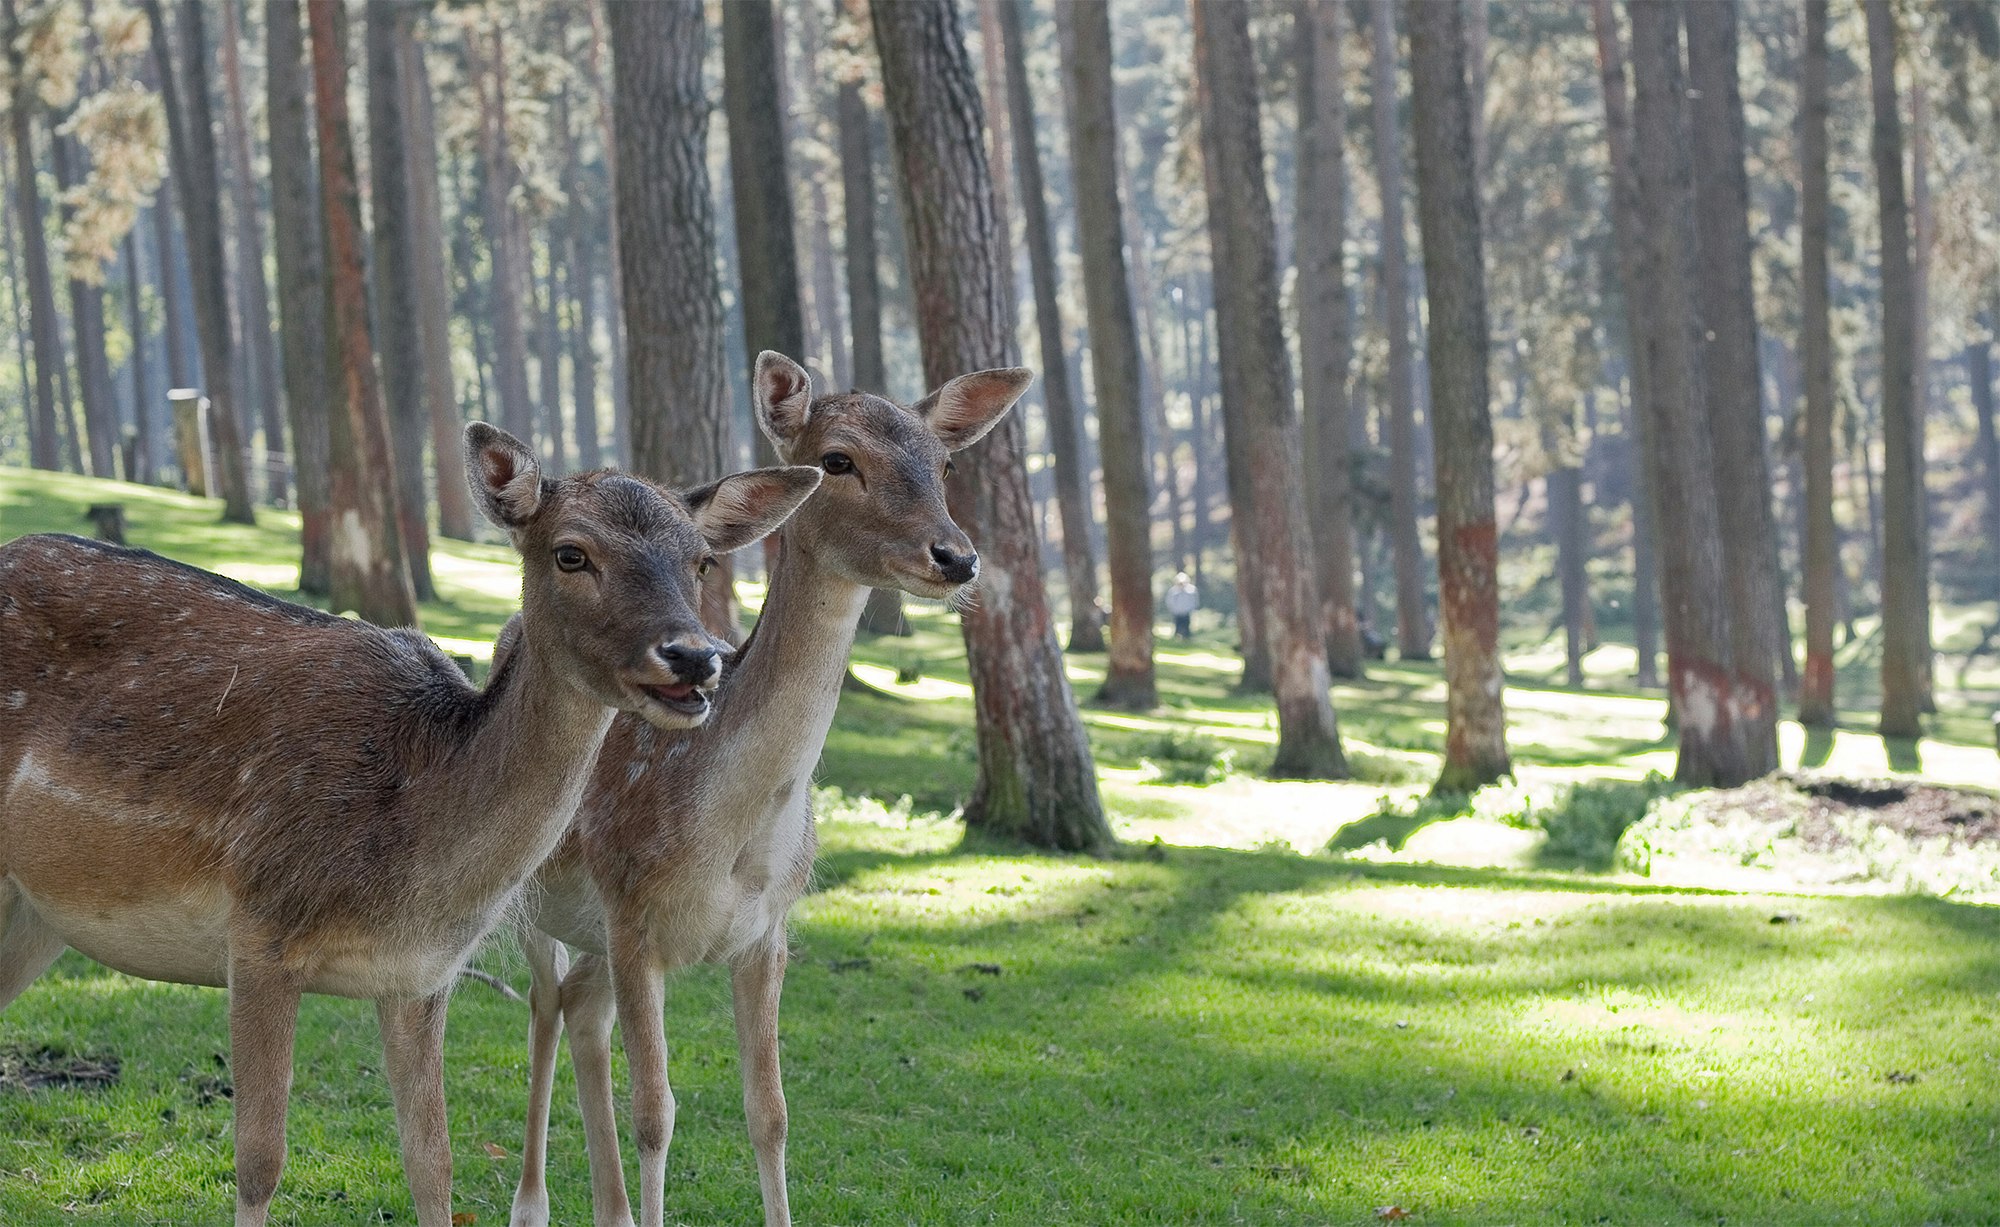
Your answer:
<point x="956" y="567"/>
<point x="690" y="664"/>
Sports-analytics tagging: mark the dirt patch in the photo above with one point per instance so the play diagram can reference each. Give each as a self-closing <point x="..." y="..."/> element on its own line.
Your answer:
<point x="33" y="1070"/>
<point x="1916" y="811"/>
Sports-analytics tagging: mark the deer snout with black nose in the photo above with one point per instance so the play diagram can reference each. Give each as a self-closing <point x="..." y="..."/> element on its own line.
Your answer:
<point x="955" y="567"/>
<point x="695" y="666"/>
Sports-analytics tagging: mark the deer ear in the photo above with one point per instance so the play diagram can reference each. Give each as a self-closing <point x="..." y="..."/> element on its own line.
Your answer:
<point x="964" y="409"/>
<point x="746" y="507"/>
<point x="504" y="475"/>
<point x="781" y="393"/>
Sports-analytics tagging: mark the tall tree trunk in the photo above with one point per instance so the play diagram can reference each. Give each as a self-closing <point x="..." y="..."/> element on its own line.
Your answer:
<point x="197" y="181"/>
<point x="1326" y="327"/>
<point x="44" y="437"/>
<point x="666" y="223"/>
<point x="300" y="250"/>
<point x="1714" y="750"/>
<point x="176" y="302"/>
<point x="1413" y="624"/>
<point x="1114" y="352"/>
<point x="487" y="57"/>
<point x="582" y="260"/>
<point x="1923" y="235"/>
<point x="1036" y="779"/>
<point x="145" y="447"/>
<point x="1905" y="535"/>
<point x="1065" y="426"/>
<point x="257" y="340"/>
<point x="1822" y="535"/>
<point x="547" y="306"/>
<point x="1627" y="228"/>
<point x="819" y="217"/>
<point x="1257" y="392"/>
<point x="1475" y="751"/>
<point x="1571" y="523"/>
<point x="86" y="300"/>
<point x="614" y="320"/>
<point x="369" y="573"/>
<point x="433" y="286"/>
<point x="398" y="320"/>
<point x="1734" y="384"/>
<point x="1979" y="373"/>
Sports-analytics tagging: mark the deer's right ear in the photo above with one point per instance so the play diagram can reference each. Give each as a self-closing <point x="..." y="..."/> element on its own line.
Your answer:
<point x="504" y="475"/>
<point x="782" y="395"/>
<point x="746" y="507"/>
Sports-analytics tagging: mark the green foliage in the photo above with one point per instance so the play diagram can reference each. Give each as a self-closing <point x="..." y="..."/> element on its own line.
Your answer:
<point x="1181" y="757"/>
<point x="1587" y="820"/>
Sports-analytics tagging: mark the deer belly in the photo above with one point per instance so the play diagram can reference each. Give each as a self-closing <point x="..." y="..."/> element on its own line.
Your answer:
<point x="181" y="940"/>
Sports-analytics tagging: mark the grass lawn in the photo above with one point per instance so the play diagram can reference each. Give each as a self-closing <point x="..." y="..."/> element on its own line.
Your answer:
<point x="1232" y="1033"/>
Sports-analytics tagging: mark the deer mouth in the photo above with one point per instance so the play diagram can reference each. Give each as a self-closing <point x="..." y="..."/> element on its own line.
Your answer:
<point x="681" y="698"/>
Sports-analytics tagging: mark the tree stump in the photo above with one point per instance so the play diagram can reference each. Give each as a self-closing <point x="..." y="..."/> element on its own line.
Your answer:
<point x="110" y="521"/>
<point x="190" y="439"/>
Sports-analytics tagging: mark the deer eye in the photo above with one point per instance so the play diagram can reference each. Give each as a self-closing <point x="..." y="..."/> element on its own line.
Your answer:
<point x="701" y="568"/>
<point x="837" y="463"/>
<point x="570" y="558"/>
<point x="949" y="468"/>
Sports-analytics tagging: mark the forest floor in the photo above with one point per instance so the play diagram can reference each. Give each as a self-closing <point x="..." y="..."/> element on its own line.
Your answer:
<point x="1475" y="1013"/>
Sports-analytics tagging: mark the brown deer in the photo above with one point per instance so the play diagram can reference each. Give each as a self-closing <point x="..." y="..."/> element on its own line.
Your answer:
<point x="202" y="784"/>
<point x="692" y="847"/>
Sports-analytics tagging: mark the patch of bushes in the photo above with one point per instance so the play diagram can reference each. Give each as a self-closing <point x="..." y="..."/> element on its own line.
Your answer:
<point x="1181" y="757"/>
<point x="1586" y="821"/>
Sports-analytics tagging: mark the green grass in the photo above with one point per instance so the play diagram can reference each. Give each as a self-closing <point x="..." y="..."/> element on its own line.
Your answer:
<point x="1224" y="1034"/>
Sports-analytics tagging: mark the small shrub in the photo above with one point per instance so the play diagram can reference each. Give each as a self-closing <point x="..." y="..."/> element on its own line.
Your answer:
<point x="910" y="671"/>
<point x="1585" y="822"/>
<point x="1180" y="757"/>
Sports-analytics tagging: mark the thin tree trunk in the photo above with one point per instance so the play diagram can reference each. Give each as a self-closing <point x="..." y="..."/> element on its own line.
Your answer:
<point x="1257" y="393"/>
<point x="144" y="448"/>
<point x="1822" y="535"/>
<point x="582" y="259"/>
<point x="86" y="300"/>
<point x="1065" y="426"/>
<point x="174" y="295"/>
<point x="487" y="58"/>
<point x="1905" y="538"/>
<point x="1461" y="414"/>
<point x="260" y="346"/>
<point x="1627" y="229"/>
<point x="1326" y="326"/>
<point x="1036" y="779"/>
<point x="1714" y="750"/>
<point x="547" y="306"/>
<point x="614" y="321"/>
<point x="398" y="320"/>
<point x="1114" y="352"/>
<point x="673" y="298"/>
<point x="1923" y="240"/>
<point x="369" y="573"/>
<point x="43" y="433"/>
<point x="1733" y="383"/>
<point x="191" y="146"/>
<point x="819" y="216"/>
<point x="1979" y="373"/>
<point x="433" y="286"/>
<point x="1413" y="624"/>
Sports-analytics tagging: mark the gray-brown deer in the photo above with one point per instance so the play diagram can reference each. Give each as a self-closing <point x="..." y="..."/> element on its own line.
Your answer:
<point x="202" y="784"/>
<point x="692" y="847"/>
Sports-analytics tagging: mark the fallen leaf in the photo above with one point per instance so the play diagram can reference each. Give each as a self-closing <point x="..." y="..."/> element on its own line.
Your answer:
<point x="1391" y="1214"/>
<point x="464" y="1218"/>
<point x="495" y="1151"/>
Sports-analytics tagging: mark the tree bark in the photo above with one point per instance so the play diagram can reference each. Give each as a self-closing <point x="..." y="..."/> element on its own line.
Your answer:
<point x="767" y="257"/>
<point x="1065" y="426"/>
<point x="369" y="574"/>
<point x="433" y="286"/>
<point x="1905" y="535"/>
<point x="614" y="319"/>
<point x="176" y="301"/>
<point x="1114" y="352"/>
<point x="819" y="216"/>
<point x="672" y="295"/>
<point x="582" y="259"/>
<point x="507" y="259"/>
<point x="547" y="306"/>
<point x="1715" y="736"/>
<point x="1734" y="383"/>
<point x="1979" y="373"/>
<point x="1461" y="415"/>
<point x="1923" y="239"/>
<point x="1257" y="392"/>
<point x="191" y="148"/>
<point x="1822" y="533"/>
<point x="256" y="305"/>
<point x="1413" y="624"/>
<point x="1326" y="326"/>
<point x="1036" y="779"/>
<point x="87" y="333"/>
<point x="1630" y="241"/>
<point x="300" y="251"/>
<point x="44" y="451"/>
<point x="398" y="319"/>
<point x="145" y="448"/>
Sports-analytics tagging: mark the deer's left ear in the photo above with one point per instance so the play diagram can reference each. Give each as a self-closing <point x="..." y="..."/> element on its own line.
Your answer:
<point x="964" y="409"/>
<point x="782" y="395"/>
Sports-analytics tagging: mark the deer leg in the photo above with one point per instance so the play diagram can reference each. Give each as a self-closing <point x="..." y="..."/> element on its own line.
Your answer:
<point x="590" y="1010"/>
<point x="546" y="961"/>
<point x="413" y="1051"/>
<point x="263" y="1015"/>
<point x="27" y="945"/>
<point x="639" y="981"/>
<point x="755" y="981"/>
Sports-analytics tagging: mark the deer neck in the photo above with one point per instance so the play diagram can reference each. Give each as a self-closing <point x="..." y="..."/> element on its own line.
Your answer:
<point x="516" y="783"/>
<point x="778" y="700"/>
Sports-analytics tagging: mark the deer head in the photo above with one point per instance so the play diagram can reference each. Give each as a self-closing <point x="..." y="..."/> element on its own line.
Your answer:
<point x="880" y="518"/>
<point x="611" y="569"/>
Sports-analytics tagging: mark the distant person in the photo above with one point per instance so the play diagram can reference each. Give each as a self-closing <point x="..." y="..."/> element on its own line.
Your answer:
<point x="1182" y="600"/>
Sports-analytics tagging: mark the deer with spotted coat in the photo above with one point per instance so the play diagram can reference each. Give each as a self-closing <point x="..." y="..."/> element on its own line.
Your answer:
<point x="691" y="847"/>
<point x="202" y="784"/>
